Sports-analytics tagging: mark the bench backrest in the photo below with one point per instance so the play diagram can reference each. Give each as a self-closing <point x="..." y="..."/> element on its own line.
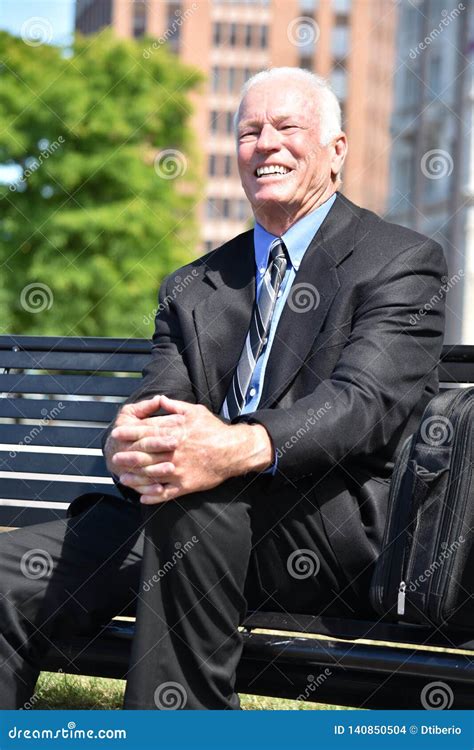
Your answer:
<point x="57" y="397"/>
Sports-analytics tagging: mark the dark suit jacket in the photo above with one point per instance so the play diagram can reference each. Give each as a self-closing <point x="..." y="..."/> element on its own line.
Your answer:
<point x="352" y="366"/>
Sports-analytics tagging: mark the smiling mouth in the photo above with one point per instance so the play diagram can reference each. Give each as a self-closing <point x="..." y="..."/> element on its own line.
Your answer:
<point x="274" y="169"/>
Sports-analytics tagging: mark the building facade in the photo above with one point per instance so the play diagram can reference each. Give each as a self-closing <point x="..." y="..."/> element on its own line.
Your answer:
<point x="432" y="169"/>
<point x="350" y="43"/>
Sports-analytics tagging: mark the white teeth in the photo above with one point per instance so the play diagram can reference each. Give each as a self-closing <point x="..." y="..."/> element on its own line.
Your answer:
<point x="272" y="169"/>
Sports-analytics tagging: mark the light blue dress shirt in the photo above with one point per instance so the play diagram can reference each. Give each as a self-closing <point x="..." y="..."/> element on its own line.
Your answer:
<point x="297" y="240"/>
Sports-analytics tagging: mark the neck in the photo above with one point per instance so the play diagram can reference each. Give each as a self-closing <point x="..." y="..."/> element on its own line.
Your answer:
<point x="277" y="220"/>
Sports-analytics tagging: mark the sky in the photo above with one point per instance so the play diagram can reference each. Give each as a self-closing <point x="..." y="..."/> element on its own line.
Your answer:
<point x="48" y="20"/>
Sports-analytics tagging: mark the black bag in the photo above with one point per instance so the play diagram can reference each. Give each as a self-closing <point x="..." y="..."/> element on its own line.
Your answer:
<point x="425" y="573"/>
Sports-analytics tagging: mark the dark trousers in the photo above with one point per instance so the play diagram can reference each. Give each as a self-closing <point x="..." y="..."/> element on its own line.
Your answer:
<point x="204" y="559"/>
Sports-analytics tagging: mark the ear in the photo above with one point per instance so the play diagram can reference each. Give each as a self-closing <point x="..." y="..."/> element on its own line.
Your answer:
<point x="339" y="153"/>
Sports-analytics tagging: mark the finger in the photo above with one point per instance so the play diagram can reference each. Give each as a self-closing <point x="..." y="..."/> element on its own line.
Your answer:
<point x="164" y="472"/>
<point x="131" y="460"/>
<point x="143" y="408"/>
<point x="174" y="406"/>
<point x="156" y="444"/>
<point x="133" y="432"/>
<point x="142" y="486"/>
<point x="168" y="492"/>
<point x="164" y="421"/>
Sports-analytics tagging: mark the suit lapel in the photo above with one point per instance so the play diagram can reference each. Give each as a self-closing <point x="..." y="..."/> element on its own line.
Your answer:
<point x="223" y="318"/>
<point x="314" y="288"/>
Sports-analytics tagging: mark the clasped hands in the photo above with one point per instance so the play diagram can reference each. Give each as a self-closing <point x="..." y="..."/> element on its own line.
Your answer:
<point x="187" y="450"/>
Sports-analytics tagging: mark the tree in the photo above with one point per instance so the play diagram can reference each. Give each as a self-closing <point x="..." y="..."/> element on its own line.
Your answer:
<point x="103" y="205"/>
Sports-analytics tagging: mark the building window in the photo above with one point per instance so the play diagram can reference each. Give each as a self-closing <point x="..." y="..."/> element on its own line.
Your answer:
<point x="212" y="165"/>
<point x="264" y="37"/>
<point x="216" y="76"/>
<point x="139" y="19"/>
<point x="242" y="210"/>
<point x="231" y="80"/>
<point x="340" y="41"/>
<point x="306" y="61"/>
<point x="229" y="122"/>
<point x="233" y="34"/>
<point x="214" y="121"/>
<point x="226" y="208"/>
<point x="248" y="35"/>
<point x="339" y="82"/>
<point x="173" y="28"/>
<point x="227" y="165"/>
<point x="341" y="6"/>
<point x="217" y="34"/>
<point x="212" y="209"/>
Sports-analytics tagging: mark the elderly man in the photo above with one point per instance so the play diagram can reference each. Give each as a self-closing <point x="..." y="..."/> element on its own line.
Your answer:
<point x="260" y="442"/>
<point x="291" y="375"/>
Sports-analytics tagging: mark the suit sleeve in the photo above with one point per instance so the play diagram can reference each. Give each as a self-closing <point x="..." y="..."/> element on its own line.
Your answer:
<point x="166" y="373"/>
<point x="395" y="342"/>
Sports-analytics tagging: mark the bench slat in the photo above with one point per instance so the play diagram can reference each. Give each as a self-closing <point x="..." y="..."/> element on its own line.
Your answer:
<point x="89" y="361"/>
<point x="12" y="516"/>
<point x="74" y="437"/>
<point x="52" y="409"/>
<point x="456" y="372"/>
<point x="79" y="385"/>
<point x="53" y="463"/>
<point x="75" y="344"/>
<point x="49" y="491"/>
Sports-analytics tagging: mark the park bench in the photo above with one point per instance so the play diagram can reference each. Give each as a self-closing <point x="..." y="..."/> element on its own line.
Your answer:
<point x="58" y="395"/>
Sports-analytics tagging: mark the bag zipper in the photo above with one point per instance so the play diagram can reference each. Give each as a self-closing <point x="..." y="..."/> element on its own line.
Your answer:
<point x="406" y="569"/>
<point x="379" y="577"/>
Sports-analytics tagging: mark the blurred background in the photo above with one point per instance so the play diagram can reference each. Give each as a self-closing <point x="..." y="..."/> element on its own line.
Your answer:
<point x="117" y="156"/>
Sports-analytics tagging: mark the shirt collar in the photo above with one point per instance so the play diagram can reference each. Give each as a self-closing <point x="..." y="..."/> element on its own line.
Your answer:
<point x="296" y="238"/>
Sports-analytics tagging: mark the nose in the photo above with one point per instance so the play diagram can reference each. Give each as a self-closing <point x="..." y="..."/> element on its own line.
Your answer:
<point x="268" y="139"/>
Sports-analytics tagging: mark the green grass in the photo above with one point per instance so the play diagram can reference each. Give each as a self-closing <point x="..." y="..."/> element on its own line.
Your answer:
<point x="64" y="691"/>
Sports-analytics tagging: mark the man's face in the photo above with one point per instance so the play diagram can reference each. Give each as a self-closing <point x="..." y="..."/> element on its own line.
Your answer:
<point x="278" y="127"/>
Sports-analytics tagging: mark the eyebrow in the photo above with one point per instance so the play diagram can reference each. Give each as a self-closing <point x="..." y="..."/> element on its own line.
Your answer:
<point x="275" y="120"/>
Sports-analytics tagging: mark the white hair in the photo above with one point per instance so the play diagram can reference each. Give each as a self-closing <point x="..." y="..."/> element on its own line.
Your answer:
<point x="326" y="100"/>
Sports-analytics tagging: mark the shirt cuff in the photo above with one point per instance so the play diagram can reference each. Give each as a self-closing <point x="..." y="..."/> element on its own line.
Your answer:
<point x="272" y="469"/>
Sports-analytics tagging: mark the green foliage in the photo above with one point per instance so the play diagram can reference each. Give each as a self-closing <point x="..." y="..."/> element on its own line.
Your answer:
<point x="97" y="220"/>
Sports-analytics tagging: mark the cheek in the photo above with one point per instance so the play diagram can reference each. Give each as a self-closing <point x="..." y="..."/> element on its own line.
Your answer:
<point x="244" y="155"/>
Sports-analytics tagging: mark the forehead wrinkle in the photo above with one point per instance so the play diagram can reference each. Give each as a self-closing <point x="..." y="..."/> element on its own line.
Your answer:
<point x="275" y="113"/>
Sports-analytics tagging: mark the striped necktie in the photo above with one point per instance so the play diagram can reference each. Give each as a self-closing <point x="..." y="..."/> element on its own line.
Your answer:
<point x="258" y="330"/>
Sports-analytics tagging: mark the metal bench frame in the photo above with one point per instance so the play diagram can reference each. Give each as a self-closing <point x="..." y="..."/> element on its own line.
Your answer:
<point x="59" y="394"/>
